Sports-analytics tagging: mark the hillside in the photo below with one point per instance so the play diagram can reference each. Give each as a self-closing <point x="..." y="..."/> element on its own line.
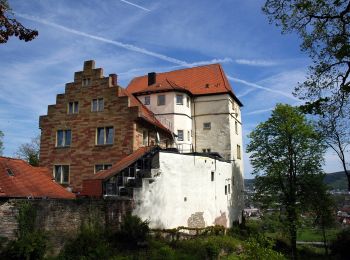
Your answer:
<point x="336" y="180"/>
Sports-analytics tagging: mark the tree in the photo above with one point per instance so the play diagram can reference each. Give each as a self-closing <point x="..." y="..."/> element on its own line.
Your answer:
<point x="9" y="26"/>
<point x="285" y="151"/>
<point x="324" y="28"/>
<point x="334" y="126"/>
<point x="30" y="151"/>
<point x="1" y="143"/>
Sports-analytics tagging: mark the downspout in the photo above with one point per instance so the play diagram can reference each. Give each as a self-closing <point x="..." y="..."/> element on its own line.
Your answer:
<point x="194" y="122"/>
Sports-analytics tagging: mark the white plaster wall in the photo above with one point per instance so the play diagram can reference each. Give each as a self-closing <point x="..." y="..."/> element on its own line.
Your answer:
<point x="179" y="176"/>
<point x="213" y="109"/>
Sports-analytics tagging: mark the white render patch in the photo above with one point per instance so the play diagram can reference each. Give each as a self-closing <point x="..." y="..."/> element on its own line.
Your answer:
<point x="183" y="193"/>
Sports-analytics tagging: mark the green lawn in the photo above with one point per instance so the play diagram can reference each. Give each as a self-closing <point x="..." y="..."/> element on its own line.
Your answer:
<point x="315" y="235"/>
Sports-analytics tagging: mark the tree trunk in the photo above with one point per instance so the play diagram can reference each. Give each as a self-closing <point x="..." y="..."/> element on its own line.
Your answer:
<point x="293" y="241"/>
<point x="324" y="239"/>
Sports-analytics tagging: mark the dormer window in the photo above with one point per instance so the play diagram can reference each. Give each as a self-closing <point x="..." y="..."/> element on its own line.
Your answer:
<point x="9" y="172"/>
<point x="86" y="82"/>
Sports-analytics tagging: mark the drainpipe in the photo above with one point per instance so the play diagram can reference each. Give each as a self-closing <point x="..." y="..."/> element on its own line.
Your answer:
<point x="194" y="121"/>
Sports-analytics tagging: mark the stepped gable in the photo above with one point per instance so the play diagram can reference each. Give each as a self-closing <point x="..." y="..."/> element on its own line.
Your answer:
<point x="18" y="179"/>
<point x="202" y="80"/>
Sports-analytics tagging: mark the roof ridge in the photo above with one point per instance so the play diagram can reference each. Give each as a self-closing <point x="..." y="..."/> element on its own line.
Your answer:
<point x="187" y="68"/>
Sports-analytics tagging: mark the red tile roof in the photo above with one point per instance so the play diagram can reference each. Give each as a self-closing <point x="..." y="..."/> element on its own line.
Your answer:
<point x="123" y="163"/>
<point x="144" y="112"/>
<point x="28" y="181"/>
<point x="202" y="80"/>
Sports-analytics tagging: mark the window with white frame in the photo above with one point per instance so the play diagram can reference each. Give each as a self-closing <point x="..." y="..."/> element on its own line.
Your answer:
<point x="86" y="82"/>
<point x="207" y="126"/>
<point x="61" y="174"/>
<point x="179" y="99"/>
<point x="239" y="156"/>
<point x="73" y="108"/>
<point x="147" y="100"/>
<point x="180" y="135"/>
<point x="101" y="167"/>
<point x="104" y="135"/>
<point x="63" y="138"/>
<point x="97" y="105"/>
<point x="161" y="100"/>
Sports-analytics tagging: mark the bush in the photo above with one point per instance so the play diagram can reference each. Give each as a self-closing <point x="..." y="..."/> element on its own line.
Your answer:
<point x="91" y="242"/>
<point x="133" y="232"/>
<point x="260" y="247"/>
<point x="340" y="246"/>
<point x="30" y="243"/>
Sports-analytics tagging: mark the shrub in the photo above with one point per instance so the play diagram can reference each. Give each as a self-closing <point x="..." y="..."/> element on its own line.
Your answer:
<point x="340" y="246"/>
<point x="133" y="232"/>
<point x="91" y="242"/>
<point x="30" y="243"/>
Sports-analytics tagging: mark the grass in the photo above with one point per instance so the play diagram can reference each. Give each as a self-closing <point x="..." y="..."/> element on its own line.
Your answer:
<point x="315" y="235"/>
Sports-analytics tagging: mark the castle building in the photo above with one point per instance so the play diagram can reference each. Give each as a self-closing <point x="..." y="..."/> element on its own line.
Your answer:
<point x="171" y="141"/>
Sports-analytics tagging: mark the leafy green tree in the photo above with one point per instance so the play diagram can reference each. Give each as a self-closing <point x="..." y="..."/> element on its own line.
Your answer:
<point x="323" y="26"/>
<point x="285" y="151"/>
<point x="9" y="26"/>
<point x="1" y="142"/>
<point x="30" y="151"/>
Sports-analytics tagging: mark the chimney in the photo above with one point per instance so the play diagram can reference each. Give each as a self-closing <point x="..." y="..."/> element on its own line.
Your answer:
<point x="151" y="78"/>
<point x="113" y="79"/>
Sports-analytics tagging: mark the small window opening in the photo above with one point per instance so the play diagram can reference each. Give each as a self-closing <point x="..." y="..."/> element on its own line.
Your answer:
<point x="9" y="172"/>
<point x="212" y="176"/>
<point x="225" y="189"/>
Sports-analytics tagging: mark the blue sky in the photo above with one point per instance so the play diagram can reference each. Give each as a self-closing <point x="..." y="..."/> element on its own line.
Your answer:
<point x="132" y="38"/>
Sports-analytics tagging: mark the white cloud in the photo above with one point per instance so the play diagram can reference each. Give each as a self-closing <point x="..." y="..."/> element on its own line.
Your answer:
<point x="138" y="6"/>
<point x="259" y="63"/>
<point x="254" y="85"/>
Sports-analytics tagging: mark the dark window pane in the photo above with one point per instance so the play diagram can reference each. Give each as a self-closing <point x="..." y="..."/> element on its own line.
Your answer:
<point x="179" y="99"/>
<point x="70" y="108"/>
<point x="109" y="135"/>
<point x="68" y="137"/>
<point x="100" y="135"/>
<point x="59" y="138"/>
<point x="180" y="135"/>
<point x="100" y="104"/>
<point x="107" y="166"/>
<point x="58" y="169"/>
<point x="161" y="100"/>
<point x="98" y="167"/>
<point x="65" y="173"/>
<point x="76" y="107"/>
<point x="147" y="100"/>
<point x="94" y="105"/>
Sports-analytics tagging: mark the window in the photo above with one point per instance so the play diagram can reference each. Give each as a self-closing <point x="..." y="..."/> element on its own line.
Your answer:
<point x="145" y="138"/>
<point x="207" y="126"/>
<point x="212" y="176"/>
<point x="147" y="100"/>
<point x="225" y="189"/>
<point x="188" y="101"/>
<point x="161" y="100"/>
<point x="86" y="82"/>
<point x="61" y="174"/>
<point x="63" y="138"/>
<point x="104" y="135"/>
<point x="236" y="127"/>
<point x="73" y="108"/>
<point x="179" y="99"/>
<point x="188" y="136"/>
<point x="100" y="167"/>
<point x="97" y="105"/>
<point x="206" y="150"/>
<point x="238" y="151"/>
<point x="229" y="188"/>
<point x="10" y="172"/>
<point x="180" y="135"/>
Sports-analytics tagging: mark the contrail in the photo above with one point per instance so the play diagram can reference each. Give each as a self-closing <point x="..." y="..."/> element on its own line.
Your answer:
<point x="146" y="52"/>
<point x="138" y="6"/>
<point x="102" y="39"/>
<point x="263" y="88"/>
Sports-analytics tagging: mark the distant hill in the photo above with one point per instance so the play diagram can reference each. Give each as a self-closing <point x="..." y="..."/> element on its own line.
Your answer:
<point x="336" y="180"/>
